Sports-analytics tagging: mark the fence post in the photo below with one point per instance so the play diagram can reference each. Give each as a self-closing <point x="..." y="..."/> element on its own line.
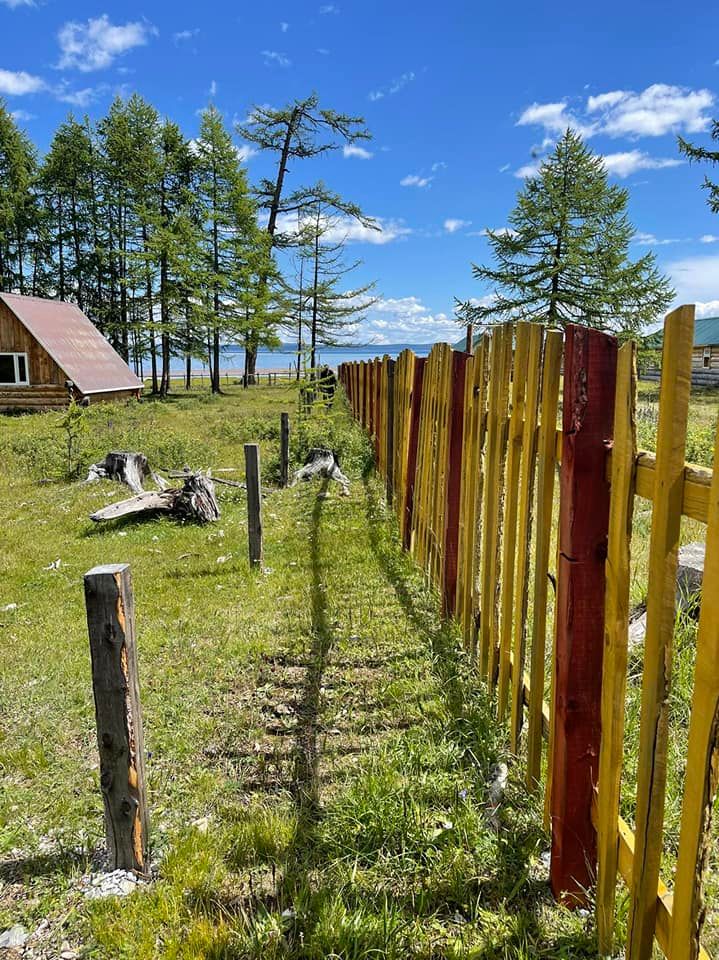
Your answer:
<point x="254" y="502"/>
<point x="389" y="434"/>
<point x="470" y="339"/>
<point x="284" y="449"/>
<point x="454" y="483"/>
<point x="590" y="361"/>
<point x="414" y="417"/>
<point x="111" y="627"/>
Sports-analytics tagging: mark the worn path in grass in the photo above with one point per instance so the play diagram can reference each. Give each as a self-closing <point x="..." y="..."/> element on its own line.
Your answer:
<point x="319" y="750"/>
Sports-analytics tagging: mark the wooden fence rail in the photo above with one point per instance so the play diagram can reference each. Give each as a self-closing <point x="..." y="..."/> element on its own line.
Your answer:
<point x="468" y="445"/>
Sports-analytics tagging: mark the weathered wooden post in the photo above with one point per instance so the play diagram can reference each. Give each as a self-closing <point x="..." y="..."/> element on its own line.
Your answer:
<point x="284" y="449"/>
<point x="590" y="361"/>
<point x="389" y="434"/>
<point x="470" y="339"/>
<point x="111" y="627"/>
<point x="254" y="503"/>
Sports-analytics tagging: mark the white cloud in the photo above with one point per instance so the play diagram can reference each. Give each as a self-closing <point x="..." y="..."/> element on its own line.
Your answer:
<point x="453" y="224"/>
<point x="696" y="279"/>
<point x="323" y="50"/>
<point x="628" y="162"/>
<point x="399" y="84"/>
<point x="708" y="238"/>
<point x="349" y="230"/>
<point x="505" y="167"/>
<point x="213" y="89"/>
<point x="439" y="165"/>
<point x="659" y="109"/>
<point x="22" y="116"/>
<point x="14" y="4"/>
<point x="274" y="56"/>
<point x="244" y="152"/>
<point x="555" y="118"/>
<point x="708" y="309"/>
<point x="500" y="232"/>
<point x="94" y="45"/>
<point x="183" y="35"/>
<point x="78" y="98"/>
<point x="414" y="180"/>
<point x="650" y="240"/>
<point x="18" y="83"/>
<point x="408" y="320"/>
<point x="284" y="26"/>
<point x="328" y="8"/>
<point x="352" y="150"/>
<point x="528" y="170"/>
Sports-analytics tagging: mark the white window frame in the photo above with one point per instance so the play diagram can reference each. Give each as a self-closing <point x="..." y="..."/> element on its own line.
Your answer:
<point x="17" y="381"/>
<point x="707" y="357"/>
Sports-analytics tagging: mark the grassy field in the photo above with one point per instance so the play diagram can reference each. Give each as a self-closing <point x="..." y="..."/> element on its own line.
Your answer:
<point x="318" y="750"/>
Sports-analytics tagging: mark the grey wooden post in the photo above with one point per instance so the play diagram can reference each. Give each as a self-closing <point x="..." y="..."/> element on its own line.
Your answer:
<point x="284" y="449"/>
<point x="111" y="626"/>
<point x="254" y="502"/>
<point x="389" y="434"/>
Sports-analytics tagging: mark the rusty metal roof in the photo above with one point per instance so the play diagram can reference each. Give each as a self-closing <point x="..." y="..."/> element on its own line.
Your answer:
<point x="74" y="343"/>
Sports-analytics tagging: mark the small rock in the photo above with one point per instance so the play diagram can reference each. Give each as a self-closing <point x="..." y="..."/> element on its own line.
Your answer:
<point x="637" y="628"/>
<point x="8" y="607"/>
<point x="202" y="825"/>
<point x="690" y="573"/>
<point x="14" y="937"/>
<point x="117" y="883"/>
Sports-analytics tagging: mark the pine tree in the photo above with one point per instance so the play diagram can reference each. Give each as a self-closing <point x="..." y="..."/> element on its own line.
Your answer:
<point x="564" y="257"/>
<point x="697" y="154"/>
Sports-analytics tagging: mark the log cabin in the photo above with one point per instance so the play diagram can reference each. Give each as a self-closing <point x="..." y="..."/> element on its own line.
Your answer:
<point x="51" y="352"/>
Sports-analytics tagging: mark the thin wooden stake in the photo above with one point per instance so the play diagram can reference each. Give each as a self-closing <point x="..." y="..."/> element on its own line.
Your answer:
<point x="111" y="627"/>
<point x="254" y="502"/>
<point x="284" y="449"/>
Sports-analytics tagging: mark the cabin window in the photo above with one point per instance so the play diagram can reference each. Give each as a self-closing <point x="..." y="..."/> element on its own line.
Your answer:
<point x="13" y="369"/>
<point x="707" y="356"/>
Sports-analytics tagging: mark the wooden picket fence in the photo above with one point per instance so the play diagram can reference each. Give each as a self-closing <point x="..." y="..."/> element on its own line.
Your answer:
<point x="469" y="447"/>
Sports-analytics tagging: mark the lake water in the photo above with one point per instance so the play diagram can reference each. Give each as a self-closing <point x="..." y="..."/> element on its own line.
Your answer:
<point x="233" y="357"/>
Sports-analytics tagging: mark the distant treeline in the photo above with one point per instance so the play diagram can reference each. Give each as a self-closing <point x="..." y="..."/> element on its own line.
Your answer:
<point x="155" y="235"/>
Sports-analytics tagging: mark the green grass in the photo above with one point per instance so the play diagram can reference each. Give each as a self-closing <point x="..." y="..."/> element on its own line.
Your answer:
<point x="318" y="747"/>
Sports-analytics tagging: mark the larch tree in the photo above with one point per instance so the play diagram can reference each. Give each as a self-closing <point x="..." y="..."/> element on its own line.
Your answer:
<point x="66" y="184"/>
<point x="703" y="154"/>
<point x="301" y="130"/>
<point x="330" y="307"/>
<point x="19" y="213"/>
<point x="232" y="250"/>
<point x="564" y="256"/>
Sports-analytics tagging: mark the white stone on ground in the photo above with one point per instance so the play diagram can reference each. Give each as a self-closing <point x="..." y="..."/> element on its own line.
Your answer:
<point x="117" y="883"/>
<point x="14" y="937"/>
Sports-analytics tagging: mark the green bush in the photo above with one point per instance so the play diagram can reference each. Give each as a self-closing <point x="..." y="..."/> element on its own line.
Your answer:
<point x="336" y="433"/>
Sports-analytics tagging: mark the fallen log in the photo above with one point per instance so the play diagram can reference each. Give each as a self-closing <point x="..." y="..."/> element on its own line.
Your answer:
<point x="127" y="467"/>
<point x="321" y="462"/>
<point x="194" y="501"/>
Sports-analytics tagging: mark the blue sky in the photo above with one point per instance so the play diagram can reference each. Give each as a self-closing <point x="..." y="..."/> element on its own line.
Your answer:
<point x="461" y="97"/>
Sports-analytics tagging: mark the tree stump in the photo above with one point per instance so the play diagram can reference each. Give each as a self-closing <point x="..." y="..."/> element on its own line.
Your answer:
<point x="194" y="500"/>
<point x="127" y="467"/>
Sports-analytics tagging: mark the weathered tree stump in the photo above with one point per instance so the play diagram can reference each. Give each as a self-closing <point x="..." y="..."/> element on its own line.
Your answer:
<point x="321" y="462"/>
<point x="194" y="501"/>
<point x="127" y="467"/>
